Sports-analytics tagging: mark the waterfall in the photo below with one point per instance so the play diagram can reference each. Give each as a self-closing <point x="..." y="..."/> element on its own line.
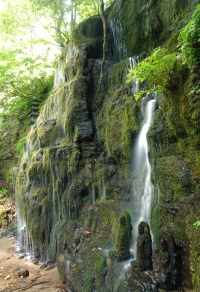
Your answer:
<point x="24" y="241"/>
<point x="135" y="83"/>
<point x="116" y="29"/>
<point x="67" y="54"/>
<point x="142" y="186"/>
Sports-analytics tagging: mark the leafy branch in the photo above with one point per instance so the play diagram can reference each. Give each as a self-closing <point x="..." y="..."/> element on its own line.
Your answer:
<point x="189" y="40"/>
<point x="155" y="71"/>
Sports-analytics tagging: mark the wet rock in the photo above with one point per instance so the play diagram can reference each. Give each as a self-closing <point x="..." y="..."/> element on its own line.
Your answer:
<point x="111" y="170"/>
<point x="64" y="245"/>
<point x="84" y="132"/>
<point x="43" y="266"/>
<point x="91" y="27"/>
<point x="9" y="155"/>
<point x="76" y="241"/>
<point x="109" y="160"/>
<point x="89" y="149"/>
<point x="141" y="281"/>
<point x="144" y="249"/>
<point x="24" y="273"/>
<point x="39" y="155"/>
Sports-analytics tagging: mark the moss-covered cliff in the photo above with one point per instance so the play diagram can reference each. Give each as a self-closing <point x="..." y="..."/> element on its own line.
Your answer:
<point x="75" y="176"/>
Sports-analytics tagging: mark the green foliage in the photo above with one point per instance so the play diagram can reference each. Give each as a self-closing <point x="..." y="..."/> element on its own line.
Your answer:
<point x="154" y="70"/>
<point x="196" y="224"/>
<point x="87" y="281"/>
<point x="19" y="145"/>
<point x="66" y="14"/>
<point x="11" y="174"/>
<point x="194" y="246"/>
<point x="27" y="52"/>
<point x="189" y="40"/>
<point x="3" y="191"/>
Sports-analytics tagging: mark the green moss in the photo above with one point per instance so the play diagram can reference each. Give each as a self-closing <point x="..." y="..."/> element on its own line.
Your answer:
<point x="2" y="214"/>
<point x="11" y="174"/>
<point x="87" y="281"/>
<point x="35" y="224"/>
<point x="89" y="33"/>
<point x="156" y="223"/>
<point x="109" y="219"/>
<point x="35" y="169"/>
<point x="193" y="235"/>
<point x="189" y="148"/>
<point x="46" y="207"/>
<point x="48" y="133"/>
<point x="124" y="236"/>
<point x="19" y="145"/>
<point x="100" y="262"/>
<point x="59" y="187"/>
<point x="171" y="173"/>
<point x="117" y="134"/>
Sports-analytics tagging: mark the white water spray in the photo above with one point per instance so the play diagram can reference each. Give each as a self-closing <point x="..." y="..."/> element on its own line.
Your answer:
<point x="142" y="186"/>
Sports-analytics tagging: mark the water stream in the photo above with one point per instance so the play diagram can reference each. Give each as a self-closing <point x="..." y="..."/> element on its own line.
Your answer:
<point x="142" y="186"/>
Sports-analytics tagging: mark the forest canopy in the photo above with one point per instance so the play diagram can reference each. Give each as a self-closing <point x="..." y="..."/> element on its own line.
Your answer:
<point x="32" y="35"/>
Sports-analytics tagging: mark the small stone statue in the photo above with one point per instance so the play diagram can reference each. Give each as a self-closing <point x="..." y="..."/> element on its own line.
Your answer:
<point x="144" y="248"/>
<point x="124" y="238"/>
<point x="168" y="274"/>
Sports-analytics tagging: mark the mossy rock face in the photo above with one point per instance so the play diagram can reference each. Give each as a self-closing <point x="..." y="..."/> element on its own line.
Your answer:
<point x="157" y="22"/>
<point x="193" y="235"/>
<point x="35" y="170"/>
<point x="174" y="177"/>
<point x="91" y="27"/>
<point x="89" y="34"/>
<point x="190" y="104"/>
<point x="117" y="134"/>
<point x="48" y="133"/>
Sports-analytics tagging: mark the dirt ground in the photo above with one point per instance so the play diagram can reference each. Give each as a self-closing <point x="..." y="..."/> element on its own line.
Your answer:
<point x="46" y="279"/>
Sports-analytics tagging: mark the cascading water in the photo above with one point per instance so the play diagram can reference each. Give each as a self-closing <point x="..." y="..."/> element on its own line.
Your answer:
<point x="142" y="186"/>
<point x="24" y="243"/>
<point x="135" y="83"/>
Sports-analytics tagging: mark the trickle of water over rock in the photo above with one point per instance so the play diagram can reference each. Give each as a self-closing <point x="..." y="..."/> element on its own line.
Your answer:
<point x="135" y="83"/>
<point x="116" y="33"/>
<point x="67" y="54"/>
<point x="24" y="241"/>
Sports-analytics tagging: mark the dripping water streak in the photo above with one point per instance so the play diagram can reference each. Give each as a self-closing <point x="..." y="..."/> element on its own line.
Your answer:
<point x="24" y="241"/>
